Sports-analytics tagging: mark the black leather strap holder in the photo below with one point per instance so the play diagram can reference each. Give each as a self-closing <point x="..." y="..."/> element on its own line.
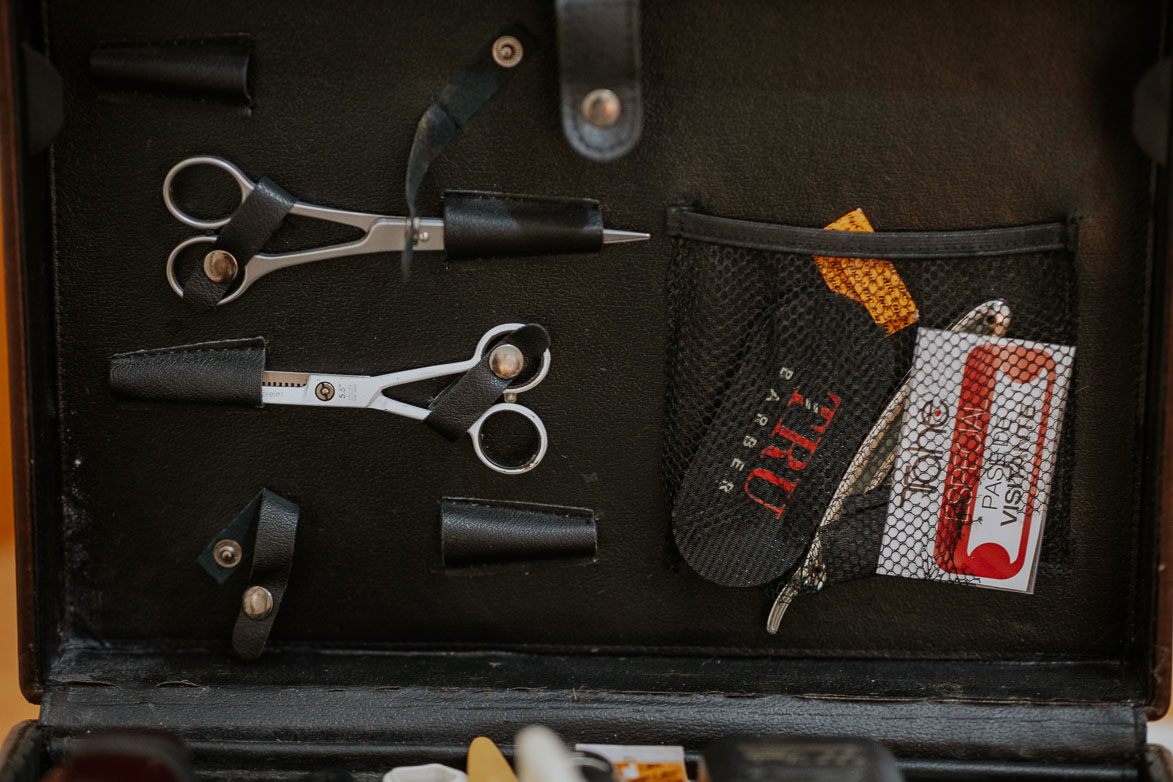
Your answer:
<point x="489" y="225"/>
<point x="44" y="95"/>
<point x="206" y="68"/>
<point x="241" y="531"/>
<point x="252" y="225"/>
<point x="460" y="99"/>
<point x="228" y="372"/>
<point x="485" y="532"/>
<point x="1150" y="110"/>
<point x="273" y="548"/>
<point x="599" y="58"/>
<point x="457" y="407"/>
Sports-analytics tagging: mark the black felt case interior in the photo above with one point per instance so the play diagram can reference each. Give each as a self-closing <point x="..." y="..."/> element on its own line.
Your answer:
<point x="926" y="115"/>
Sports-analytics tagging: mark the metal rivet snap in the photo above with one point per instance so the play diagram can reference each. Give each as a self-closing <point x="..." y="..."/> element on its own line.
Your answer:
<point x="257" y="603"/>
<point x="507" y="51"/>
<point x="324" y="391"/>
<point x="601" y="108"/>
<point x="220" y="266"/>
<point x="506" y="361"/>
<point x="227" y="553"/>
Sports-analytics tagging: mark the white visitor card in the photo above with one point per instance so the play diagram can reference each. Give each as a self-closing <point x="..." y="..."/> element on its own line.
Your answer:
<point x="977" y="454"/>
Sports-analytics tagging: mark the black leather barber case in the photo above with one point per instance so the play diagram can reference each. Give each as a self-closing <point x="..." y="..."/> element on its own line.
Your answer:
<point x="286" y="588"/>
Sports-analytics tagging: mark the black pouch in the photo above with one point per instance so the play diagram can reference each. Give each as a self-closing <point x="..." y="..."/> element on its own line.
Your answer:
<point x="727" y="275"/>
<point x="810" y="379"/>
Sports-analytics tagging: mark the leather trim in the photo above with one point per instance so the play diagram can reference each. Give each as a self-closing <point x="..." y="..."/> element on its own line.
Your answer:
<point x="230" y="371"/>
<point x="891" y="245"/>
<point x="1159" y="763"/>
<point x="599" y="48"/>
<point x="277" y="520"/>
<point x="354" y="715"/>
<point x="252" y="225"/>
<point x="458" y="407"/>
<point x="211" y="68"/>
<point x="486" y="225"/>
<point x="1158" y="423"/>
<point x="242" y="529"/>
<point x="21" y="754"/>
<point x="1161" y="648"/>
<point x="1018" y="771"/>
<point x="849" y="675"/>
<point x="45" y="108"/>
<point x="484" y="532"/>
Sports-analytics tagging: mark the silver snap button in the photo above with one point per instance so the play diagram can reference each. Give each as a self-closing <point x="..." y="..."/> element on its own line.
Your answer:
<point x="220" y="266"/>
<point x="506" y="361"/>
<point x="257" y="603"/>
<point x="227" y="553"/>
<point x="507" y="51"/>
<point x="601" y="108"/>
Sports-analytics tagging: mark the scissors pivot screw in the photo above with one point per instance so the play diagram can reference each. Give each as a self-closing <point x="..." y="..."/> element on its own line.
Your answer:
<point x="506" y="361"/>
<point x="324" y="391"/>
<point x="220" y="266"/>
<point x="601" y="108"/>
<point x="257" y="603"/>
<point x="507" y="51"/>
<point x="227" y="553"/>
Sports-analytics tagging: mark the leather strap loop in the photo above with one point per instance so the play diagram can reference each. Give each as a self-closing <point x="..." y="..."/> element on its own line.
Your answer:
<point x="599" y="60"/>
<point x="242" y="530"/>
<point x="489" y="225"/>
<point x="459" y="406"/>
<point x="256" y="220"/>
<point x="487" y="532"/>
<point x="460" y="99"/>
<point x="214" y="69"/>
<point x="277" y="520"/>
<point x="226" y="372"/>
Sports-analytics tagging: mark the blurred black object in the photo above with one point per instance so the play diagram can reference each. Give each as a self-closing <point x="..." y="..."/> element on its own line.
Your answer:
<point x="744" y="759"/>
<point x="126" y="757"/>
<point x="593" y="766"/>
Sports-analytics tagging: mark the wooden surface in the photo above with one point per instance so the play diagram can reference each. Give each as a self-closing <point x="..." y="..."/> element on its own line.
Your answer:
<point x="13" y="706"/>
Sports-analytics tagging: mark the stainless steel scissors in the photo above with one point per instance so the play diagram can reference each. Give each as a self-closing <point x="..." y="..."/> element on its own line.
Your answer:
<point x="381" y="233"/>
<point x="322" y="390"/>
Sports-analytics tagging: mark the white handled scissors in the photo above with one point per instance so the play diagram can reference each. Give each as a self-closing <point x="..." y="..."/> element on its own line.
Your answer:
<point x="322" y="390"/>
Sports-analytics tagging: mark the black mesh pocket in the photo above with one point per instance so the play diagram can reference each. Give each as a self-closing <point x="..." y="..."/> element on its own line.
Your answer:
<point x="809" y="381"/>
<point x="728" y="277"/>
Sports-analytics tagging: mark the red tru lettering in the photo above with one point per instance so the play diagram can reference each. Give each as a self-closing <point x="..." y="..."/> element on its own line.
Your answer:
<point x="761" y="473"/>
<point x="784" y="485"/>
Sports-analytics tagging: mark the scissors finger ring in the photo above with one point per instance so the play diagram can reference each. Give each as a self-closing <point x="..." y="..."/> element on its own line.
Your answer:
<point x="505" y="408"/>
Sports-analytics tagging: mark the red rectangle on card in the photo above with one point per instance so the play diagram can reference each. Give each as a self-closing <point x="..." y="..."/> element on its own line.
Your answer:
<point x="992" y="481"/>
